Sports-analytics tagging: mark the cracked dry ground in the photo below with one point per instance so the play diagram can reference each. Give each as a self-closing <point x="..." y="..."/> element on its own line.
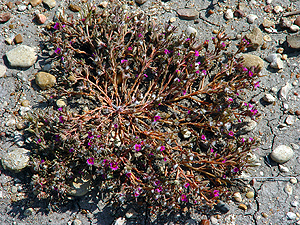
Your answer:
<point x="273" y="198"/>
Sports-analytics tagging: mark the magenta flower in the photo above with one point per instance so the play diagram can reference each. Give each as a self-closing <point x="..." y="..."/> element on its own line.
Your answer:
<point x="123" y="61"/>
<point x="236" y="170"/>
<point x="223" y="44"/>
<point x="156" y="118"/>
<point x="162" y="148"/>
<point x="59" y="109"/>
<point x="90" y="161"/>
<point x="197" y="71"/>
<point x="256" y="85"/>
<point x="184" y="92"/>
<point x="57" y="50"/>
<point x="216" y="193"/>
<point x="140" y="35"/>
<point x="113" y="165"/>
<point x="243" y="140"/>
<point x="156" y="182"/>
<point x="39" y="140"/>
<point x="115" y="125"/>
<point x="56" y="26"/>
<point x="145" y="75"/>
<point x="203" y="137"/>
<point x="186" y="185"/>
<point x="204" y="72"/>
<point x="211" y="150"/>
<point x="230" y="99"/>
<point x="183" y="198"/>
<point x="165" y="159"/>
<point x="196" y="53"/>
<point x="71" y="150"/>
<point x="187" y="39"/>
<point x="166" y="51"/>
<point x="89" y="143"/>
<point x="230" y="133"/>
<point x="129" y="48"/>
<point x="254" y="111"/>
<point x="90" y="135"/>
<point x="224" y="161"/>
<point x="136" y="194"/>
<point x="42" y="161"/>
<point x="244" y="69"/>
<point x="137" y="147"/>
<point x="250" y="73"/>
<point x="251" y="139"/>
<point x="158" y="189"/>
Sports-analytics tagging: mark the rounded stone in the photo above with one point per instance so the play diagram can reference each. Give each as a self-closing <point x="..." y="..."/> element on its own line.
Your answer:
<point x="237" y="196"/>
<point x="250" y="194"/>
<point x="60" y="103"/>
<point x="250" y="61"/>
<point x="282" y="154"/>
<point x="228" y="14"/>
<point x="76" y="222"/>
<point x="18" y="39"/>
<point x="269" y="98"/>
<point x="45" y="80"/>
<point x="291" y="216"/>
<point x="243" y="206"/>
<point x="25" y="103"/>
<point x="50" y="3"/>
<point x="28" y="212"/>
<point x="16" y="160"/>
<point x="251" y="18"/>
<point x="140" y="2"/>
<point x="21" y="56"/>
<point x="2" y="70"/>
<point x="191" y="30"/>
<point x="80" y="186"/>
<point x="293" y="180"/>
<point x="35" y="2"/>
<point x="294" y="28"/>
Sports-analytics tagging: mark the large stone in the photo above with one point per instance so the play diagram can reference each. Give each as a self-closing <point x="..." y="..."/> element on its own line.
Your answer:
<point x="282" y="154"/>
<point x="45" y="80"/>
<point x="80" y="186"/>
<point x="50" y="3"/>
<point x="293" y="40"/>
<point x="255" y="37"/>
<point x="250" y="61"/>
<point x="16" y="160"/>
<point x="21" y="56"/>
<point x="35" y="2"/>
<point x="4" y="17"/>
<point x="188" y="14"/>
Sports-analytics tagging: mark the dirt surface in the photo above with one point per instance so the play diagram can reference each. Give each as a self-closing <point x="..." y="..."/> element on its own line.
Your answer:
<point x="274" y="199"/>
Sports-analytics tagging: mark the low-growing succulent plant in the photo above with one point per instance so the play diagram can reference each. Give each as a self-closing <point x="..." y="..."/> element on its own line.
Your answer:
<point x="150" y="113"/>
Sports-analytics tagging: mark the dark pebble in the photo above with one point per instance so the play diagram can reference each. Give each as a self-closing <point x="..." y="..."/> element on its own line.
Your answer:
<point x="222" y="207"/>
<point x="239" y="13"/>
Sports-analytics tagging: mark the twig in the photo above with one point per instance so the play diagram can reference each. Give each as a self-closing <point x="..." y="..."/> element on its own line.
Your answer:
<point x="291" y="13"/>
<point x="264" y="178"/>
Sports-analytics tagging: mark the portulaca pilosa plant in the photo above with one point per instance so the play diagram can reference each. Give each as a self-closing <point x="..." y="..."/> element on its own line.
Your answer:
<point x="150" y="112"/>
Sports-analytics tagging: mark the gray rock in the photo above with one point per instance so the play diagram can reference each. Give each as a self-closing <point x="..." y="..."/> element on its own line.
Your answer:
<point x="28" y="212"/>
<point x="288" y="189"/>
<point x="284" y="22"/>
<point x="80" y="186"/>
<point x="16" y="160"/>
<point x="45" y="80"/>
<point x="2" y="70"/>
<point x="268" y="23"/>
<point x="191" y="30"/>
<point x="285" y="90"/>
<point x="22" y="8"/>
<point x="250" y="61"/>
<point x="188" y="14"/>
<point x="21" y="56"/>
<point x="50" y="3"/>
<point x="251" y="18"/>
<point x="269" y="98"/>
<point x="131" y="213"/>
<point x="275" y="61"/>
<point x="291" y="216"/>
<point x="294" y="203"/>
<point x="140" y="2"/>
<point x="76" y="222"/>
<point x="222" y="207"/>
<point x="255" y="37"/>
<point x="293" y="40"/>
<point x="282" y="154"/>
<point x="294" y="28"/>
<point x="247" y="125"/>
<point x="290" y="120"/>
<point x="228" y="14"/>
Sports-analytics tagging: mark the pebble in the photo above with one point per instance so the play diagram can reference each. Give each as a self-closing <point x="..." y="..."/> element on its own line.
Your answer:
<point x="228" y="14"/>
<point x="222" y="207"/>
<point x="285" y="22"/>
<point x="278" y="9"/>
<point x="50" y="3"/>
<point x="103" y="4"/>
<point x="9" y="40"/>
<point x="247" y="125"/>
<point x="284" y="56"/>
<point x="202" y="222"/>
<point x="74" y="8"/>
<point x="2" y="70"/>
<point x="237" y="196"/>
<point x="18" y="39"/>
<point x="269" y="2"/>
<point x="239" y="13"/>
<point x="45" y="80"/>
<point x="80" y="186"/>
<point x="172" y="20"/>
<point x="282" y="154"/>
<point x="288" y="189"/>
<point x="269" y="98"/>
<point x="250" y="194"/>
<point x="285" y="90"/>
<point x="243" y="206"/>
<point x="255" y="37"/>
<point x="268" y="8"/>
<point x="275" y="61"/>
<point x="35" y="2"/>
<point x="293" y="180"/>
<point x="294" y="28"/>
<point x="22" y="8"/>
<point x="268" y="23"/>
<point x="297" y="21"/>
<point x="191" y="30"/>
<point x="76" y="222"/>
<point x="214" y="220"/>
<point x="40" y="18"/>
<point x="295" y="146"/>
<point x="4" y="17"/>
<point x="293" y="40"/>
<point x="10" y="5"/>
<point x="60" y="103"/>
<point x="188" y="14"/>
<point x="294" y="203"/>
<point x="290" y="120"/>
<point x="21" y="125"/>
<point x="250" y="61"/>
<point x="267" y="38"/>
<point x="120" y="221"/>
<point x="131" y="213"/>
<point x="14" y="189"/>
<point x="25" y="103"/>
<point x="251" y="18"/>
<point x="291" y="216"/>
<point x="283" y="169"/>
<point x="28" y="212"/>
<point x="265" y="215"/>
<point x="16" y="160"/>
<point x="21" y="56"/>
